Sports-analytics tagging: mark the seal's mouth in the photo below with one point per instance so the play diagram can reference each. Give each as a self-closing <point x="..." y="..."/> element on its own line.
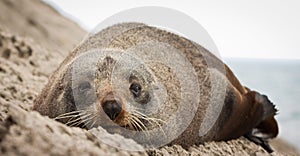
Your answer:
<point x="116" y="126"/>
<point x="140" y="122"/>
<point x="130" y="123"/>
<point x="142" y="126"/>
<point x="135" y="122"/>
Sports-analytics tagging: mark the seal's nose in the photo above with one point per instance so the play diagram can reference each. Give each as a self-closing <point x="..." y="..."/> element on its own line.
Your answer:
<point x="112" y="108"/>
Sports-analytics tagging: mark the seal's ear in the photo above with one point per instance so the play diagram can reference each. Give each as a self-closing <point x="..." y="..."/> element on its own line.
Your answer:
<point x="268" y="127"/>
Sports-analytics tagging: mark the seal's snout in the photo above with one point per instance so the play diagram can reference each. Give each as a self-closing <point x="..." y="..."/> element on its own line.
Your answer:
<point x="112" y="108"/>
<point x="111" y="105"/>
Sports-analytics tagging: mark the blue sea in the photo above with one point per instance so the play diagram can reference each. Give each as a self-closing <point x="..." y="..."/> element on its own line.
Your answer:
<point x="280" y="81"/>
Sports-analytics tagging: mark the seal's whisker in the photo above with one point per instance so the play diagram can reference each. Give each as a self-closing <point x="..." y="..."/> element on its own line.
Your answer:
<point x="136" y="122"/>
<point x="138" y="109"/>
<point x="76" y="111"/>
<point x="141" y="125"/>
<point x="156" y="120"/>
<point x="83" y="120"/>
<point x="140" y="122"/>
<point x="145" y="117"/>
<point x="67" y="116"/>
<point x="74" y="122"/>
<point x="78" y="118"/>
<point x="70" y="114"/>
<point x="73" y="119"/>
<point x="153" y="121"/>
<point x="130" y="124"/>
<point x="158" y="124"/>
<point x="136" y="126"/>
<point x="90" y="121"/>
<point x="93" y="124"/>
<point x="77" y="123"/>
<point x="139" y="113"/>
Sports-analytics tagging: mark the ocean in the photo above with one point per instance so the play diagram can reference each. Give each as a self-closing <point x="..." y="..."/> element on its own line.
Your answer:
<point x="280" y="81"/>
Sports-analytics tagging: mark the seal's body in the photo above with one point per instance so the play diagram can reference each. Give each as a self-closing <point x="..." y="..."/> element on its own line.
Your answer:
<point x="151" y="92"/>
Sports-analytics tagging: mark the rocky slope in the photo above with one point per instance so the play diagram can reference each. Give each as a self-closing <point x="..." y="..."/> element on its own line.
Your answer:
<point x="34" y="39"/>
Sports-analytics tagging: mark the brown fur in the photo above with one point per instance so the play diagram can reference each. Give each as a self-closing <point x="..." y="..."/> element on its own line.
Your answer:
<point x="239" y="116"/>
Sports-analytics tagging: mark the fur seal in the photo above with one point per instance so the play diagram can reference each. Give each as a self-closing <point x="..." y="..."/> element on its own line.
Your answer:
<point x="116" y="83"/>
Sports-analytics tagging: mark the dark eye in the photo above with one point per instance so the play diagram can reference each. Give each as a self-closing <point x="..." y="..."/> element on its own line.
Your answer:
<point x="84" y="86"/>
<point x="135" y="89"/>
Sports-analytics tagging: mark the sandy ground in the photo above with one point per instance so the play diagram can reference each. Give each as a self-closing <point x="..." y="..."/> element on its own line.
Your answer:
<point x="34" y="39"/>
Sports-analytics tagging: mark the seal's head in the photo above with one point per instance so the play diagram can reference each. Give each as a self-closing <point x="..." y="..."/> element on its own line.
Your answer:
<point x="112" y="93"/>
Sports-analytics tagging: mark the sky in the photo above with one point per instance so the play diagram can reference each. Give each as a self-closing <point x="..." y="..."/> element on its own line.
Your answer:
<point x="268" y="29"/>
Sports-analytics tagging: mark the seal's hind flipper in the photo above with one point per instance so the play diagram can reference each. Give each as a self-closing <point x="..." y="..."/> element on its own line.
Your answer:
<point x="268" y="125"/>
<point x="259" y="141"/>
<point x="267" y="128"/>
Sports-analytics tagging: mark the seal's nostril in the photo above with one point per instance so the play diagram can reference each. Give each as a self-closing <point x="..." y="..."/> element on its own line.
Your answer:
<point x="112" y="109"/>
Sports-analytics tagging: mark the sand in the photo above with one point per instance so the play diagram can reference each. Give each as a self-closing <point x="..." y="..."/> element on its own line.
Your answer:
<point x="34" y="39"/>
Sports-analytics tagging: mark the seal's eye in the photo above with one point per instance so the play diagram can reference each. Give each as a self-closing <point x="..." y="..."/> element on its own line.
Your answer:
<point x="84" y="86"/>
<point x="135" y="89"/>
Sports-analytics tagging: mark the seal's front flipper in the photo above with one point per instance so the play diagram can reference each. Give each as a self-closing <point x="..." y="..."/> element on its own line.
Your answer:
<point x="267" y="128"/>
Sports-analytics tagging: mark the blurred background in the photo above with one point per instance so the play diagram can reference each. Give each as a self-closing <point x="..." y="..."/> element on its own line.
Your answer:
<point x="259" y="40"/>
